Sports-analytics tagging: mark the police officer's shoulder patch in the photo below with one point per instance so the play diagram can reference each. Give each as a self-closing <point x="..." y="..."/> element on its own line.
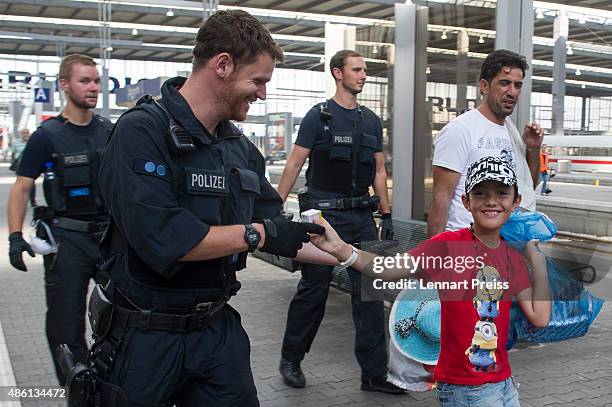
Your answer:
<point x="150" y="167"/>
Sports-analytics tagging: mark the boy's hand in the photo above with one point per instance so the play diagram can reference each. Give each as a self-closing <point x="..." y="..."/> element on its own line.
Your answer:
<point x="330" y="242"/>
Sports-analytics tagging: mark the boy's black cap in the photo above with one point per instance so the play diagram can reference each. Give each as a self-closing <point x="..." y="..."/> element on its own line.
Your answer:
<point x="489" y="169"/>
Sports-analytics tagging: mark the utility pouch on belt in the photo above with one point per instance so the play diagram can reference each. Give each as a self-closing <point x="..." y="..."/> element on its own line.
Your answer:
<point x="42" y="212"/>
<point x="373" y="202"/>
<point x="100" y="312"/>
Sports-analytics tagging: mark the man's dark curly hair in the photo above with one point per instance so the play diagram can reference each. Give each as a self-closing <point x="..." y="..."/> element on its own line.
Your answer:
<point x="497" y="59"/>
<point x="236" y="32"/>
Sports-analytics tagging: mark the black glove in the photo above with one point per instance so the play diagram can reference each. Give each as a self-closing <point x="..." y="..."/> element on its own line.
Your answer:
<point x="17" y="246"/>
<point x="285" y="238"/>
<point x="386" y="227"/>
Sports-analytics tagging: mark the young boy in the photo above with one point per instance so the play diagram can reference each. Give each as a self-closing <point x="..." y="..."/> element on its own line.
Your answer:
<point x="473" y="368"/>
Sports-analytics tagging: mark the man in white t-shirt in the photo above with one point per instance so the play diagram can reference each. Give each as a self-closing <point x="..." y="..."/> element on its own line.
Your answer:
<point x="484" y="131"/>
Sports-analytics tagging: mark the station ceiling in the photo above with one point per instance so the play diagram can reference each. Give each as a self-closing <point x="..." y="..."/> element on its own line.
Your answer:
<point x="164" y="30"/>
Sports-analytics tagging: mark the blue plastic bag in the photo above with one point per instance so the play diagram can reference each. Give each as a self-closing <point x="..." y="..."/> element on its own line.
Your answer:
<point x="522" y="227"/>
<point x="574" y="308"/>
<point x="573" y="311"/>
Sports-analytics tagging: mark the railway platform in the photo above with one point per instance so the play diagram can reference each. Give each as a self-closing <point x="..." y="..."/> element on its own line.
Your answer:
<point x="576" y="372"/>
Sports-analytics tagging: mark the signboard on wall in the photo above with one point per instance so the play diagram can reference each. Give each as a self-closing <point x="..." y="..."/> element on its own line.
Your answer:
<point x="128" y="95"/>
<point x="279" y="129"/>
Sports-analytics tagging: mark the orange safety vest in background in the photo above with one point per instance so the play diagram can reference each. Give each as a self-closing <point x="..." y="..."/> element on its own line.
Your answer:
<point x="544" y="161"/>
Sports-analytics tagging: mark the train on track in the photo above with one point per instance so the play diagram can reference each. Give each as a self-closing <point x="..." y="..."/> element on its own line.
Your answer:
<point x="586" y="153"/>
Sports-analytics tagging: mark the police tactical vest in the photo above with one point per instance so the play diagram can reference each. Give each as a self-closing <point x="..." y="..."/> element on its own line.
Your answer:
<point x="74" y="189"/>
<point x="343" y="161"/>
<point x="218" y="184"/>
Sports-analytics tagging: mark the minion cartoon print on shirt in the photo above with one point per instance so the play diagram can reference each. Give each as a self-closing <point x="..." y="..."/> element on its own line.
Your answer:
<point x="481" y="352"/>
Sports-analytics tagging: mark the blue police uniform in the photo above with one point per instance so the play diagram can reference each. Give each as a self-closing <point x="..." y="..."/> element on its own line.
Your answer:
<point x="187" y="346"/>
<point x="341" y="168"/>
<point x="76" y="217"/>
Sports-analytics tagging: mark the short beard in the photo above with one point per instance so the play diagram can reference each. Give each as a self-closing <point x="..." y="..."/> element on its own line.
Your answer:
<point x="353" y="90"/>
<point x="80" y="104"/>
<point x="497" y="110"/>
<point x="224" y="102"/>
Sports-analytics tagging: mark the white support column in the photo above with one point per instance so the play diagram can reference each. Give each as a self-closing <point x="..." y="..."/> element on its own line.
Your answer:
<point x="15" y="108"/>
<point x="514" y="26"/>
<point x="337" y="38"/>
<point x="409" y="116"/>
<point x="560" y="34"/>
<point x="463" y="47"/>
<point x="105" y="43"/>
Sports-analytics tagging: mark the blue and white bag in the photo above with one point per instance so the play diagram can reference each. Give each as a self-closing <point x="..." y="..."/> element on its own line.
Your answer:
<point x="574" y="307"/>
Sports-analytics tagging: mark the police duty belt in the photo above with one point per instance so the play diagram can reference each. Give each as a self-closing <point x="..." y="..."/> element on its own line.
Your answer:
<point x="144" y="320"/>
<point x="79" y="225"/>
<point x="338" y="203"/>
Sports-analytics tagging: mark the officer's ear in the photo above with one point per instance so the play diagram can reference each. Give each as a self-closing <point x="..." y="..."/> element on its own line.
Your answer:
<point x="223" y="64"/>
<point x="64" y="85"/>
<point x="337" y="73"/>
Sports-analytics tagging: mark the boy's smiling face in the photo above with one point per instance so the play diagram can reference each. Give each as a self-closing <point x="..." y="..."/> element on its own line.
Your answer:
<point x="491" y="203"/>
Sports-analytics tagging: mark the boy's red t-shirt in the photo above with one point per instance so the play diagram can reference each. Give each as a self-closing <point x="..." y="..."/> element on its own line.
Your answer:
<point x="474" y="322"/>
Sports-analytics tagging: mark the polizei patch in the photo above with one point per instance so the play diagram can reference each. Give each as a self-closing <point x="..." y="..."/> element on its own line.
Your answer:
<point x="346" y="140"/>
<point x="77" y="159"/>
<point x="206" y="181"/>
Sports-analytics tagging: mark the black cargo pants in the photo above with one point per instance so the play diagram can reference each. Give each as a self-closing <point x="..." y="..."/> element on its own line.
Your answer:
<point x="67" y="275"/>
<point x="307" y="308"/>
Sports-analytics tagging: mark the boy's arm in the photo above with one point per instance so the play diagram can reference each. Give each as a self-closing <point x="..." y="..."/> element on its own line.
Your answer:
<point x="330" y="244"/>
<point x="535" y="301"/>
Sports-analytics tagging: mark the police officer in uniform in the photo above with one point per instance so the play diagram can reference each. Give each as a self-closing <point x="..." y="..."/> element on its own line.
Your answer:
<point x="66" y="149"/>
<point x="186" y="191"/>
<point x="343" y="141"/>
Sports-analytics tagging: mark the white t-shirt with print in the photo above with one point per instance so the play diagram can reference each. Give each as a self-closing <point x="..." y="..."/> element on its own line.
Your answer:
<point x="468" y="138"/>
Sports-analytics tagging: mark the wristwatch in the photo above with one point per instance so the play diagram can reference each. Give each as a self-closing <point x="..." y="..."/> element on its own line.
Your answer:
<point x="251" y="237"/>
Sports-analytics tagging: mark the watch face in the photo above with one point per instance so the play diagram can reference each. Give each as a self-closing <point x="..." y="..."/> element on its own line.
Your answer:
<point x="252" y="235"/>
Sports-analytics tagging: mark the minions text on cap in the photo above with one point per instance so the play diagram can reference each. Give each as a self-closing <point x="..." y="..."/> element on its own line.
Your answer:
<point x="489" y="169"/>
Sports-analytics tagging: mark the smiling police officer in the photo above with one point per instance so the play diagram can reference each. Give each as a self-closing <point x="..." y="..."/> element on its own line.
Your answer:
<point x="66" y="149"/>
<point x="183" y="186"/>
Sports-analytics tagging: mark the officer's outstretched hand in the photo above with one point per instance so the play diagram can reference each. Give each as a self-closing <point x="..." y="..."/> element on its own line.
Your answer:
<point x="386" y="228"/>
<point x="17" y="246"/>
<point x="285" y="238"/>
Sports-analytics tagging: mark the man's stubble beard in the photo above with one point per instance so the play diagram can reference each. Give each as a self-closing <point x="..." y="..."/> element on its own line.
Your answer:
<point x="497" y="109"/>
<point x="80" y="104"/>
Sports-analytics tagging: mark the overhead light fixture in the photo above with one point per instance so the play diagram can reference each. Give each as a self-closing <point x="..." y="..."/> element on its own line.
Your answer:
<point x="582" y="19"/>
<point x="109" y="49"/>
<point x="539" y="14"/>
<point x="322" y="60"/>
<point x="375" y="50"/>
<point x="570" y="51"/>
<point x="444" y="36"/>
<point x="578" y="73"/>
<point x="134" y="31"/>
<point x="583" y="86"/>
<point x="481" y="40"/>
<point x="170" y="13"/>
<point x="428" y="70"/>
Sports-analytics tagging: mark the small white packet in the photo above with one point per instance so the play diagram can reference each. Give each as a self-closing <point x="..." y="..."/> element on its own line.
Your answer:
<point x="311" y="216"/>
